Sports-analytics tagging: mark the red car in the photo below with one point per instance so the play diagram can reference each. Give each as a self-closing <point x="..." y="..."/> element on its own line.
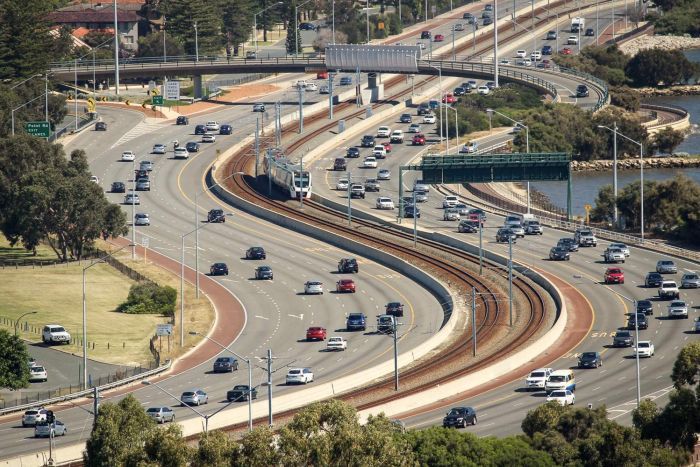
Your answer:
<point x="419" y="140"/>
<point x="439" y="38"/>
<point x="345" y="285"/>
<point x="566" y="51"/>
<point x="614" y="276"/>
<point x="387" y="146"/>
<point x="322" y="75"/>
<point x="449" y="99"/>
<point x="316" y="333"/>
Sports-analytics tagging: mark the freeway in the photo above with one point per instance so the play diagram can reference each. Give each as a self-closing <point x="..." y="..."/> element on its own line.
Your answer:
<point x="501" y="410"/>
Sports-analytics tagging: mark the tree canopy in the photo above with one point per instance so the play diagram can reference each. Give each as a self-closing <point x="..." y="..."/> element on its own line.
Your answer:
<point x="14" y="364"/>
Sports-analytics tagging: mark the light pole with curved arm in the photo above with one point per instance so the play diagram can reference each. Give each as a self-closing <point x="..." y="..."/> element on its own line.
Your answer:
<point x="22" y="316"/>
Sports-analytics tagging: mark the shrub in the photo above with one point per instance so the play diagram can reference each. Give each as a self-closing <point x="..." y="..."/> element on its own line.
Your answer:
<point x="150" y="298"/>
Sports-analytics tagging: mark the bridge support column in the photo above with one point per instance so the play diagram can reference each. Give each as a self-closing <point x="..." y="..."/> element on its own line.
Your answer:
<point x="197" y="84"/>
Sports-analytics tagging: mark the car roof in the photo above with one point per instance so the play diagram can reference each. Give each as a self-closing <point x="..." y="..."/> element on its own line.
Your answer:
<point x="561" y="373"/>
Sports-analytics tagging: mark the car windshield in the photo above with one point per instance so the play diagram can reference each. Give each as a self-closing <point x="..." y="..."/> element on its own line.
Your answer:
<point x="294" y="372"/>
<point x="264" y="269"/>
<point x="240" y="388"/>
<point x="537" y="374"/>
<point x="556" y="379"/>
<point x="677" y="303"/>
<point x="691" y="276"/>
<point x="588" y="355"/>
<point x="37" y="369"/>
<point x="666" y="263"/>
<point x="222" y="359"/>
<point x="187" y="394"/>
<point x="643" y="303"/>
<point x="58" y="329"/>
<point x="622" y="334"/>
<point x="153" y="409"/>
<point x="558" y="394"/>
<point x="313" y="283"/>
<point x="31" y="412"/>
<point x="643" y="344"/>
<point x="456" y="412"/>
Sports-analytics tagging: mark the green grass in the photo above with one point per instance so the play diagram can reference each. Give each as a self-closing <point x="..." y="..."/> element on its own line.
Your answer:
<point x="18" y="255"/>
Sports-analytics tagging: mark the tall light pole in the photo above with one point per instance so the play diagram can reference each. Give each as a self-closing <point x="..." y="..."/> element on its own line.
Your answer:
<point x="165" y="52"/>
<point x="456" y="122"/>
<point x="116" y="51"/>
<point x="255" y="24"/>
<point x="133" y="210"/>
<point x="20" y="318"/>
<point x="196" y="43"/>
<point x="439" y="69"/>
<point x="495" y="41"/>
<point x="641" y="173"/>
<point x="333" y="15"/>
<point x="296" y="25"/>
<point x="527" y="145"/>
<point x="85" y="346"/>
<point x="250" y="374"/>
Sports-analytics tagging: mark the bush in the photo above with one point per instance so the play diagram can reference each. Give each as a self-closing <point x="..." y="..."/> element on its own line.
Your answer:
<point x="150" y="298"/>
<point x="625" y="97"/>
<point x="655" y="66"/>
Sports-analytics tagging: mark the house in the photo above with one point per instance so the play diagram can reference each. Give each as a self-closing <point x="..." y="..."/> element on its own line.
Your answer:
<point x="82" y="18"/>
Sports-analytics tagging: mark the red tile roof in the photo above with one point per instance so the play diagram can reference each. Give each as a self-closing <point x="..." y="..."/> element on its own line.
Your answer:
<point x="93" y="16"/>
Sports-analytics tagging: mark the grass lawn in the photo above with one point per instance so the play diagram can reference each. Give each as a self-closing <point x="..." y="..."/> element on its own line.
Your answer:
<point x="17" y="254"/>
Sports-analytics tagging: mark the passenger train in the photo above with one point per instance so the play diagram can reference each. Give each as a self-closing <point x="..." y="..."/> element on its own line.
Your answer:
<point x="287" y="176"/>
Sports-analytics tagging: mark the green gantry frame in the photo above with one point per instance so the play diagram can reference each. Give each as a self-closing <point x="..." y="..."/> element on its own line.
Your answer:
<point x="515" y="167"/>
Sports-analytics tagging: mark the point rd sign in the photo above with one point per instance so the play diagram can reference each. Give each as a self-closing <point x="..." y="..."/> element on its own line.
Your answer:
<point x="41" y="129"/>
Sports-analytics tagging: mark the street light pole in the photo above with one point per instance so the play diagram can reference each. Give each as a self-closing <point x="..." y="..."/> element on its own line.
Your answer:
<point x="196" y="43"/>
<point x="495" y="41"/>
<point x="116" y="51"/>
<point x="20" y="318"/>
<point x="510" y="279"/>
<point x="133" y="210"/>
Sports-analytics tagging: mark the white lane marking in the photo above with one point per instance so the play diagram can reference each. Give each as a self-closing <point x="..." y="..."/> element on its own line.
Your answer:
<point x="261" y="317"/>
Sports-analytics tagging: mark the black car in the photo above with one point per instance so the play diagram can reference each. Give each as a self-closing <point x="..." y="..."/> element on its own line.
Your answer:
<point x="225" y="129"/>
<point x="487" y="21"/>
<point x="459" y="417"/>
<point x="192" y="146"/>
<point x="182" y="120"/>
<point x="468" y="226"/>
<point x="411" y="211"/>
<point x="255" y="252"/>
<point x="467" y="16"/>
<point x="423" y="108"/>
<point x="590" y="32"/>
<point x="394" y="309"/>
<point x="368" y="141"/>
<point x="491" y="85"/>
<point x="218" y="269"/>
<point x="200" y="129"/>
<point x="240" y="392"/>
<point x="353" y="152"/>
<point x="582" y="90"/>
<point x="569" y="243"/>
<point x="641" y="319"/>
<point x="559" y="253"/>
<point x="406" y="118"/>
<point x="225" y="364"/>
<point x="216" y="215"/>
<point x="307" y="27"/>
<point x="590" y="360"/>
<point x="425" y="35"/>
<point x="645" y="306"/>
<point x="503" y="235"/>
<point x="118" y="187"/>
<point x="653" y="279"/>
<point x="459" y="91"/>
<point x="623" y="339"/>
<point x="356" y="322"/>
<point x="100" y="126"/>
<point x="264" y="273"/>
<point x="347" y="265"/>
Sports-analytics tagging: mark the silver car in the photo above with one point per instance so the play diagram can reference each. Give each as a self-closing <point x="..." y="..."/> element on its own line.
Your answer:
<point x="146" y="165"/>
<point x="450" y="214"/>
<point x="678" y="309"/>
<point x="161" y="414"/>
<point x="421" y="197"/>
<point x="517" y="229"/>
<point x="143" y="184"/>
<point x="384" y="174"/>
<point x="690" y="280"/>
<point x="44" y="429"/>
<point x="132" y="198"/>
<point x="142" y="219"/>
<point x="462" y="209"/>
<point x="196" y="397"/>
<point x="621" y="246"/>
<point x="666" y="266"/>
<point x="313" y="288"/>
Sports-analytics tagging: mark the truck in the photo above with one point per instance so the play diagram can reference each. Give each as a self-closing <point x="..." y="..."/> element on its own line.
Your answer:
<point x="577" y="24"/>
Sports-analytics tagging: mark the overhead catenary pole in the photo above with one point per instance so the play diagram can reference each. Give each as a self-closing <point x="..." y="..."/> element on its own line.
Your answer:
<point x="495" y="41"/>
<point x="269" y="388"/>
<point x="116" y="51"/>
<point x="474" y="321"/>
<point x="481" y="244"/>
<point x="510" y="279"/>
<point x="615" y="218"/>
<point x="301" y="109"/>
<point x="396" y="354"/>
<point x="330" y="96"/>
<point x="349" y="198"/>
<point x="257" y="143"/>
<point x="133" y="210"/>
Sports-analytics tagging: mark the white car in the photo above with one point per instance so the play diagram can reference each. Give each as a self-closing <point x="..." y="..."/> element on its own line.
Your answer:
<point x="342" y="184"/>
<point x="337" y="343"/>
<point x="128" y="156"/>
<point x="132" y="198"/>
<point x="181" y="153"/>
<point x="43" y="429"/>
<point x="384" y="203"/>
<point x="208" y="138"/>
<point x="370" y="162"/>
<point x="38" y="373"/>
<point x="301" y="84"/>
<point x="621" y="246"/>
<point x="524" y="62"/>
<point x="383" y="132"/>
<point x="194" y="397"/>
<point x="414" y="128"/>
<point x="313" y="288"/>
<point x="536" y="55"/>
<point x="158" y="149"/>
<point x="470" y="148"/>
<point x="563" y="397"/>
<point x="55" y="334"/>
<point x="33" y="416"/>
<point x="538" y="378"/>
<point x="95" y="179"/>
<point x="299" y="376"/>
<point x="449" y="201"/>
<point x="644" y="349"/>
<point x="379" y="151"/>
<point x="678" y="309"/>
<point x="430" y="118"/>
<point x="142" y="219"/>
<point x="450" y="214"/>
<point x="397" y="136"/>
<point x="483" y="90"/>
<point x="384" y="174"/>
<point x="311" y="87"/>
<point x="521" y="53"/>
<point x="572" y="40"/>
<point x="614" y="255"/>
<point x="212" y="126"/>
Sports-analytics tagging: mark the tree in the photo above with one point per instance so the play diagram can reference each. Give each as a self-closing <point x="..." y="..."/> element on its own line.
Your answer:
<point x="165" y="447"/>
<point x="183" y="15"/>
<point x="24" y="38"/>
<point x="625" y="97"/>
<point x="151" y="45"/>
<point x="652" y="67"/>
<point x="237" y="22"/>
<point x="604" y="206"/>
<point x="14" y="367"/>
<point x="293" y="42"/>
<point x="667" y="140"/>
<point x="119" y="435"/>
<point x="216" y="449"/>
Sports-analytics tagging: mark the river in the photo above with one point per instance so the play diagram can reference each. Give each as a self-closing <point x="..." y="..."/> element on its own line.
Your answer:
<point x="585" y="185"/>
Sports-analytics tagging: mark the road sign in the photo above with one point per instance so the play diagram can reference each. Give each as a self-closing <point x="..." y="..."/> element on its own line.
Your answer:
<point x="144" y="241"/>
<point x="587" y="207"/>
<point x="171" y="90"/>
<point x="164" y="329"/>
<point x="41" y="129"/>
<point x="157" y="100"/>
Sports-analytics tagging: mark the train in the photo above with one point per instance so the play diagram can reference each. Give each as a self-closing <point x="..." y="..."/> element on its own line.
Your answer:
<point x="287" y="176"/>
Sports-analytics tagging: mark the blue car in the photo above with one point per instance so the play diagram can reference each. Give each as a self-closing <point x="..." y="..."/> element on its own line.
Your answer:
<point x="356" y="322"/>
<point x="546" y="50"/>
<point x="200" y="129"/>
<point x="225" y="130"/>
<point x="345" y="81"/>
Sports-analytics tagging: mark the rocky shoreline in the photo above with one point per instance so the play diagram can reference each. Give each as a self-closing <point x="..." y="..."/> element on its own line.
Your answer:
<point x="629" y="164"/>
<point x="679" y="90"/>
<point x="632" y="46"/>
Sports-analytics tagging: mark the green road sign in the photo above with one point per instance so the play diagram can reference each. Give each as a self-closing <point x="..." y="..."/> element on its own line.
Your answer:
<point x="157" y="100"/>
<point x="41" y="129"/>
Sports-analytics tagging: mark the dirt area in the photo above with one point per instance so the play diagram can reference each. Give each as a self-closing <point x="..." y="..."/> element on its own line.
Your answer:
<point x="233" y="94"/>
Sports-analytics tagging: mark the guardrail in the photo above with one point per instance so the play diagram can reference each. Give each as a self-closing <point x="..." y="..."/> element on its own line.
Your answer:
<point x="86" y="392"/>
<point x="602" y="85"/>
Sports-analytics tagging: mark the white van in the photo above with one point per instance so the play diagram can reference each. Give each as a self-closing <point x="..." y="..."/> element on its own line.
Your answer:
<point x="561" y="379"/>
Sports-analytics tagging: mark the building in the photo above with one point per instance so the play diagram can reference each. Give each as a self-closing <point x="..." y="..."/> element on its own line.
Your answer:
<point x="83" y="18"/>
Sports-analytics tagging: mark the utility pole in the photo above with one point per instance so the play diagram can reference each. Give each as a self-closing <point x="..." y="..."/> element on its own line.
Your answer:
<point x="301" y="109"/>
<point x="330" y="89"/>
<point x="257" y="143"/>
<point x="474" y="321"/>
<point x="349" y="199"/>
<point x="495" y="39"/>
<point x="615" y="172"/>
<point x="510" y="279"/>
<point x="269" y="387"/>
<point x="396" y="355"/>
<point x="116" y="51"/>
<point x="481" y="244"/>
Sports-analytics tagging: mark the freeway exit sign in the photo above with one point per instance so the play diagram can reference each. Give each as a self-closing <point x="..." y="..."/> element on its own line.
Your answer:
<point x="157" y="100"/>
<point x="41" y="129"/>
